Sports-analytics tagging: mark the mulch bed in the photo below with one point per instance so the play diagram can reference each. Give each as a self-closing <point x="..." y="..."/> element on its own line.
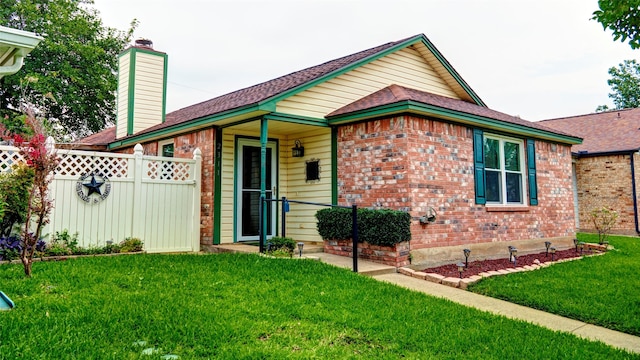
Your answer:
<point x="476" y="267"/>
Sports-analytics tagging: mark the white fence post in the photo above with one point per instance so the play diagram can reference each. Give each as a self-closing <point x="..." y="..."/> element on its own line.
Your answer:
<point x="137" y="227"/>
<point x="197" y="175"/>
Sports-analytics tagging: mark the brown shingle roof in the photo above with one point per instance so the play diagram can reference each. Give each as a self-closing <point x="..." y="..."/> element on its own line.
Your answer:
<point x="396" y="94"/>
<point x="264" y="91"/>
<point x="611" y="131"/>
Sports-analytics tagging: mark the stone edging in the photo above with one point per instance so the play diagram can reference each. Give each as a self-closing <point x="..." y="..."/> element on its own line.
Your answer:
<point x="465" y="282"/>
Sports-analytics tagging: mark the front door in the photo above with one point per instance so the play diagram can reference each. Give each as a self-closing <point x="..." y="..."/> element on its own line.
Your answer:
<point x="248" y="189"/>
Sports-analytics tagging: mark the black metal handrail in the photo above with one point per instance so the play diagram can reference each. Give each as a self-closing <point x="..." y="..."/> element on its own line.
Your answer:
<point x="284" y="210"/>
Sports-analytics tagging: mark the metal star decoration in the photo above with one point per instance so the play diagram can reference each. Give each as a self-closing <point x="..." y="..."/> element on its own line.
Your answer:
<point x="93" y="186"/>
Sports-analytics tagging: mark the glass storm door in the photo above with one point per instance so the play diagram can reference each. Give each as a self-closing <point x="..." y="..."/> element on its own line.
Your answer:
<point x="248" y="192"/>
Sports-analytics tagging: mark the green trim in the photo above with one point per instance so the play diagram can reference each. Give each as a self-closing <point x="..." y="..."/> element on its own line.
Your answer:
<point x="235" y="188"/>
<point x="531" y="172"/>
<point x="478" y="167"/>
<point x="131" y="91"/>
<point x="376" y="56"/>
<point x="334" y="165"/>
<point x="454" y="115"/>
<point x="190" y="125"/>
<point x="217" y="186"/>
<point x="295" y="119"/>
<point x="164" y="86"/>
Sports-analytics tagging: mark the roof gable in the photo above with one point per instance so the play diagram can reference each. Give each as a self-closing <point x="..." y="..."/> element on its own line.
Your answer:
<point x="293" y="83"/>
<point x="605" y="132"/>
<point x="261" y="98"/>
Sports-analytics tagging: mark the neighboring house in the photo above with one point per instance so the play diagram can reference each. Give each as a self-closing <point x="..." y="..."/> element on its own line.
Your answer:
<point x="394" y="126"/>
<point x="606" y="165"/>
<point x="14" y="47"/>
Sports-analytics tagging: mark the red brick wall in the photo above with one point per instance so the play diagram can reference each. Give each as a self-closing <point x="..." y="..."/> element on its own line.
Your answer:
<point x="184" y="145"/>
<point x="412" y="164"/>
<point x="606" y="181"/>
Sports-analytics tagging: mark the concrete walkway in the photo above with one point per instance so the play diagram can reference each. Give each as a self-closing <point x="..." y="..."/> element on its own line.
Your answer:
<point x="500" y="307"/>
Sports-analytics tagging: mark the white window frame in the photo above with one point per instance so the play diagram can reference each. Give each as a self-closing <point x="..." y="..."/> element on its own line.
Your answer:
<point x="503" y="172"/>
<point x="162" y="143"/>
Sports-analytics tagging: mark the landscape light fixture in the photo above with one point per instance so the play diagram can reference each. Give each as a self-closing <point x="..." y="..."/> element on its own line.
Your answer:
<point x="581" y="247"/>
<point x="513" y="252"/>
<point x="460" y="269"/>
<point x="300" y="246"/>
<point x="466" y="257"/>
<point x="298" y="150"/>
<point x="553" y="252"/>
<point x="547" y="244"/>
<point x="575" y="243"/>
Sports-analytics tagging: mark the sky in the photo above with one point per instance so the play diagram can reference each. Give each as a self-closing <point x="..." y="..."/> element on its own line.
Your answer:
<point x="537" y="59"/>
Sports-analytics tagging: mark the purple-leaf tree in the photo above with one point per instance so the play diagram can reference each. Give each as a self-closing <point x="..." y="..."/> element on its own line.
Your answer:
<point x="41" y="157"/>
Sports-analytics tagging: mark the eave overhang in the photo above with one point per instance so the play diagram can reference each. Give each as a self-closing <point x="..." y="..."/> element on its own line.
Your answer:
<point x="413" y="107"/>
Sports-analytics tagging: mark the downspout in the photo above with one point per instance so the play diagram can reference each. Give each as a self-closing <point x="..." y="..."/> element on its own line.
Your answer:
<point x="633" y="185"/>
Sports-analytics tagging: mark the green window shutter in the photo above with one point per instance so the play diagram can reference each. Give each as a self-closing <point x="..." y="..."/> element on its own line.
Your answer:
<point x="478" y="165"/>
<point x="531" y="172"/>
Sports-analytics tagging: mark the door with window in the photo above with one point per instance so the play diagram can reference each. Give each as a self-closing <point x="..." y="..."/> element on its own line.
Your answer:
<point x="248" y="189"/>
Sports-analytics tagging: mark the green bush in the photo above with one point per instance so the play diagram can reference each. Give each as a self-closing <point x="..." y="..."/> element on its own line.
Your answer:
<point x="14" y="194"/>
<point x="281" y="245"/>
<point x="63" y="243"/>
<point x="131" y="245"/>
<point x="376" y="227"/>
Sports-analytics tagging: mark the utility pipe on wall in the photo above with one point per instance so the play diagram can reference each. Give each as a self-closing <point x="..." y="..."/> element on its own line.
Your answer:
<point x="633" y="190"/>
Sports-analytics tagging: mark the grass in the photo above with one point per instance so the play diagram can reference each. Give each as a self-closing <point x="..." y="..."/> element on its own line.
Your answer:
<point x="601" y="290"/>
<point x="245" y="306"/>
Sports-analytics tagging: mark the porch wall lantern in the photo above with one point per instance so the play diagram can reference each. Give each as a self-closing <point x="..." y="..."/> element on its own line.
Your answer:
<point x="298" y="150"/>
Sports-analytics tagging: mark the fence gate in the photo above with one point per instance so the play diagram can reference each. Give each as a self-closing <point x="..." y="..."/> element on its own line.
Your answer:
<point x="109" y="197"/>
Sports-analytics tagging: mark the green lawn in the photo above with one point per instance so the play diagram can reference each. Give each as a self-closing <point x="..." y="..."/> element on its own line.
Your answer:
<point x="232" y="306"/>
<point x="602" y="290"/>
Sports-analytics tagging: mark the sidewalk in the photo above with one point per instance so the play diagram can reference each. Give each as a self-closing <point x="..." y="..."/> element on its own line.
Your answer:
<point x="554" y="322"/>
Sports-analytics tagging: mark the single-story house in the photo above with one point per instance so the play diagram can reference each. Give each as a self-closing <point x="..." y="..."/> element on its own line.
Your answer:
<point x="394" y="126"/>
<point x="14" y="46"/>
<point x="605" y="165"/>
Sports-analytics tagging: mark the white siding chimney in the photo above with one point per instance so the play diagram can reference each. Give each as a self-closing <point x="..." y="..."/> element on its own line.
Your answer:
<point x="142" y="88"/>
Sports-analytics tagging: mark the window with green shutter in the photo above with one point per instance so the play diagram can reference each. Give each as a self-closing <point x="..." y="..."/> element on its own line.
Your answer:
<point x="501" y="173"/>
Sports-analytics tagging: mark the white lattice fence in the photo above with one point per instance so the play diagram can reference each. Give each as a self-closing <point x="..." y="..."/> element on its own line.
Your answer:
<point x="108" y="197"/>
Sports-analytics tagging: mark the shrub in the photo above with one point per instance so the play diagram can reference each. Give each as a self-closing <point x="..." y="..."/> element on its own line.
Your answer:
<point x="603" y="220"/>
<point x="11" y="246"/>
<point x="63" y="243"/>
<point x="131" y="245"/>
<point x="14" y="195"/>
<point x="376" y="227"/>
<point x="281" y="246"/>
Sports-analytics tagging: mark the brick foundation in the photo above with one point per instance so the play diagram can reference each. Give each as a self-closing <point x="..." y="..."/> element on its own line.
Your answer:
<point x="397" y="255"/>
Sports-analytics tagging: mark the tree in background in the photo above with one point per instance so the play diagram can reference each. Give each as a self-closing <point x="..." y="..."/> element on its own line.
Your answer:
<point x="622" y="17"/>
<point x="70" y="77"/>
<point x="625" y="84"/>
